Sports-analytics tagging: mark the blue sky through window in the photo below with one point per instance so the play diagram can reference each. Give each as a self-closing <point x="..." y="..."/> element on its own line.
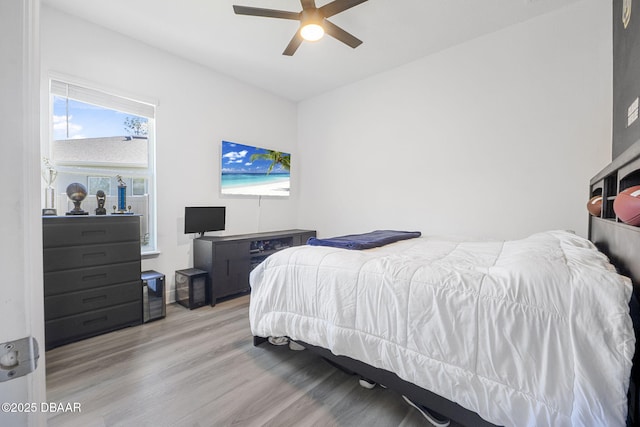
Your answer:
<point x="87" y="121"/>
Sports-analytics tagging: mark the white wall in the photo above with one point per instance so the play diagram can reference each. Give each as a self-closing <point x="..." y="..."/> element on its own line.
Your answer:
<point x="197" y="108"/>
<point x="497" y="137"/>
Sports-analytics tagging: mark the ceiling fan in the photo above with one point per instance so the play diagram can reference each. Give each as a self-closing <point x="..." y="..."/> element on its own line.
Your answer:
<point x="313" y="22"/>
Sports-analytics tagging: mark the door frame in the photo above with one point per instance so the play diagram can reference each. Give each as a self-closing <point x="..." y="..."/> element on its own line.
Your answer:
<point x="22" y="301"/>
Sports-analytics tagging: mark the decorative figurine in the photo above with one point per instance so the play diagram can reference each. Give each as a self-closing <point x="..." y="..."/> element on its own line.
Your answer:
<point x="122" y="195"/>
<point x="76" y="193"/>
<point x="49" y="175"/>
<point x="122" y="199"/>
<point x="102" y="198"/>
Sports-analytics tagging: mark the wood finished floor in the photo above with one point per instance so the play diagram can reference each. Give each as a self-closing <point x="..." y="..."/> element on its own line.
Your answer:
<point x="200" y="368"/>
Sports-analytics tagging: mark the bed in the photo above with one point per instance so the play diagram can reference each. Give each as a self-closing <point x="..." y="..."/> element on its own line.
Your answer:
<point x="528" y="332"/>
<point x="492" y="326"/>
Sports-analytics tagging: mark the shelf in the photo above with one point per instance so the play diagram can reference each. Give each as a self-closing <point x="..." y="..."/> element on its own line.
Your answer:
<point x="266" y="253"/>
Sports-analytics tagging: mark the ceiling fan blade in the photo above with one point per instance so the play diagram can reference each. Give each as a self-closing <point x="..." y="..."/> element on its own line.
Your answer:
<point x="308" y="4"/>
<point x="293" y="45"/>
<point x="338" y="33"/>
<point x="269" y="13"/>
<point x="337" y="6"/>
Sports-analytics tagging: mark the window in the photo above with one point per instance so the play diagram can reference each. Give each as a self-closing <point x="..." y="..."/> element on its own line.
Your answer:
<point x="97" y="139"/>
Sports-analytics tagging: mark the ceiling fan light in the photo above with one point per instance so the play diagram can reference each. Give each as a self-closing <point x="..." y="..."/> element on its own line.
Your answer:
<point x="312" y="32"/>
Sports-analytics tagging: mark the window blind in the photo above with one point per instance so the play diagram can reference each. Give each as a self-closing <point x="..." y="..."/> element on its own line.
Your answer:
<point x="103" y="99"/>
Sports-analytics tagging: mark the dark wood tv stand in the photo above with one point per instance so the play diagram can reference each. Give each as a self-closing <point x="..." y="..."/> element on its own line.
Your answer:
<point x="229" y="259"/>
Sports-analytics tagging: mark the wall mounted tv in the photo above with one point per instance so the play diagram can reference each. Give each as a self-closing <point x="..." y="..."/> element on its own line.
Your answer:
<point x="200" y="219"/>
<point x="254" y="171"/>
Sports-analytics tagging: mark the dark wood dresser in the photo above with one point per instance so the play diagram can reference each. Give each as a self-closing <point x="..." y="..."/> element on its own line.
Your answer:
<point x="92" y="281"/>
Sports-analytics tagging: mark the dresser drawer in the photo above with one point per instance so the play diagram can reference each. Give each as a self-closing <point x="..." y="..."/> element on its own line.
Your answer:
<point x="93" y="299"/>
<point x="74" y="231"/>
<point x="56" y="259"/>
<point x="59" y="282"/>
<point x="72" y="328"/>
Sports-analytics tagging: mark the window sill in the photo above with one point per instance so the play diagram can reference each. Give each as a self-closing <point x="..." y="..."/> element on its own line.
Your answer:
<point x="150" y="254"/>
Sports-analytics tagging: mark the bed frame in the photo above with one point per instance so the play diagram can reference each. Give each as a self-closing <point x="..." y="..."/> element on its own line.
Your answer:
<point x="619" y="241"/>
<point x="390" y="380"/>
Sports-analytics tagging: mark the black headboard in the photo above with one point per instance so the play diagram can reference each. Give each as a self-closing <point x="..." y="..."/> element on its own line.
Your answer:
<point x="621" y="243"/>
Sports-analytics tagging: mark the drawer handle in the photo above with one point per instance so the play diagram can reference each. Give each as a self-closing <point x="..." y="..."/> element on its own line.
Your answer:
<point x="96" y="320"/>
<point x="94" y="299"/>
<point x="88" y="233"/>
<point x="94" y="277"/>
<point x="94" y="255"/>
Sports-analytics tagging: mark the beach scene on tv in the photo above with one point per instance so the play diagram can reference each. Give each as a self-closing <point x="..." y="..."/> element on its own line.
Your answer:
<point x="254" y="171"/>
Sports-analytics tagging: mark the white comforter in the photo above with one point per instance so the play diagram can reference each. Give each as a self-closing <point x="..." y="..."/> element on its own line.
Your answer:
<point x="531" y="332"/>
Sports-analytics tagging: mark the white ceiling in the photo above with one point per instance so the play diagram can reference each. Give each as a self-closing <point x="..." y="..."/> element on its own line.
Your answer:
<point x="250" y="48"/>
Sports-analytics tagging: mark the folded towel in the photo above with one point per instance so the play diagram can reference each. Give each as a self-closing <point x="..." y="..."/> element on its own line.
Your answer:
<point x="370" y="240"/>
